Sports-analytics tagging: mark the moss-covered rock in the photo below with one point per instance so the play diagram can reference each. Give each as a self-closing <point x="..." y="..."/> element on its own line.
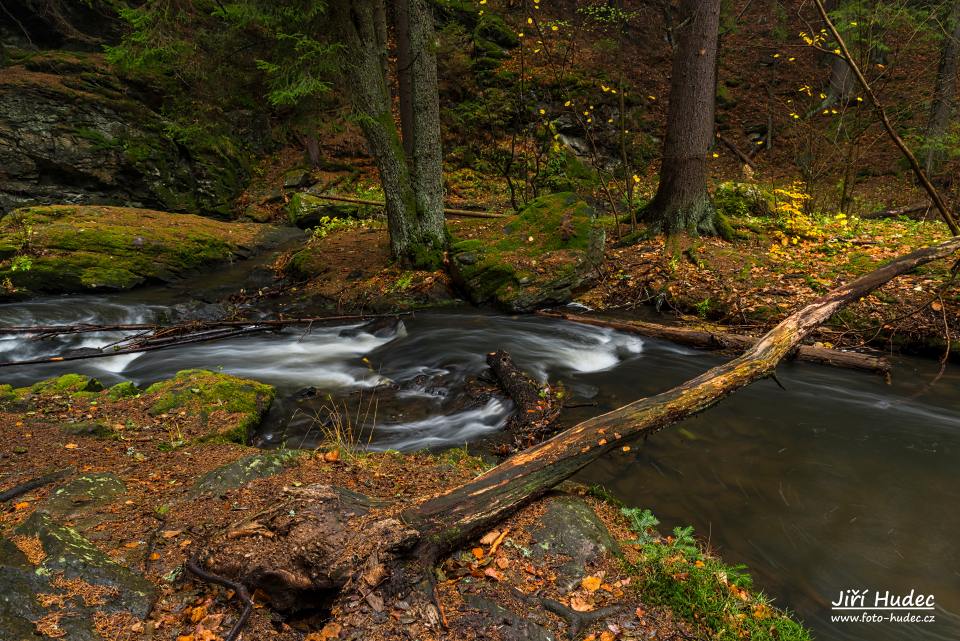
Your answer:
<point x="68" y="384"/>
<point x="542" y="256"/>
<point x="126" y="389"/>
<point x="736" y="200"/>
<point x="306" y="210"/>
<point x="66" y="554"/>
<point x="66" y="248"/>
<point x="241" y="472"/>
<point x="203" y="392"/>
<point x="87" y="492"/>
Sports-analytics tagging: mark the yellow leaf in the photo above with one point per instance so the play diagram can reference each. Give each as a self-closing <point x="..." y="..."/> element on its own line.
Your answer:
<point x="71" y="446"/>
<point x="21" y="505"/>
<point x="197" y="614"/>
<point x="490" y="537"/>
<point x="591" y="583"/>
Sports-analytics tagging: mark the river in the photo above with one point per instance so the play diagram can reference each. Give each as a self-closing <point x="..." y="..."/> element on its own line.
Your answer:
<point x="839" y="481"/>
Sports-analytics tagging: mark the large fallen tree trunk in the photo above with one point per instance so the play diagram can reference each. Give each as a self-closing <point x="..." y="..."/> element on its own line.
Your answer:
<point x="319" y="544"/>
<point x="705" y="339"/>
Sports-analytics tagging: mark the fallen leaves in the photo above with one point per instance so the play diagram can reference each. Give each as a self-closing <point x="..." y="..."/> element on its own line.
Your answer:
<point x="591" y="583"/>
<point x="580" y="603"/>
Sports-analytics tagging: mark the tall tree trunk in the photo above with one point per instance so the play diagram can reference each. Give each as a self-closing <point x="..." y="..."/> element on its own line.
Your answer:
<point x="944" y="92"/>
<point x="427" y="149"/>
<point x="413" y="197"/>
<point x="682" y="202"/>
<point x="404" y="73"/>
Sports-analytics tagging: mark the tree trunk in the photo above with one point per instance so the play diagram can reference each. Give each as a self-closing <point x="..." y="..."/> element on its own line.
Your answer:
<point x="404" y="72"/>
<point x="427" y="150"/>
<point x="682" y="202"/>
<point x="944" y="92"/>
<point x="413" y="198"/>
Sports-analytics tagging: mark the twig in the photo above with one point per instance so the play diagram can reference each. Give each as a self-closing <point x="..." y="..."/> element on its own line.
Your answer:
<point x="464" y="213"/>
<point x="240" y="590"/>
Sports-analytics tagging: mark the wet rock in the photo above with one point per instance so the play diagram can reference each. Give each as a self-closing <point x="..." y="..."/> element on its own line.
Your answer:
<point x="570" y="527"/>
<point x="241" y="472"/>
<point x="543" y="256"/>
<point x="64" y="554"/>
<point x="81" y="494"/>
<point x="88" y="428"/>
<point x="72" y="132"/>
<point x="379" y="327"/>
<point x="512" y="627"/>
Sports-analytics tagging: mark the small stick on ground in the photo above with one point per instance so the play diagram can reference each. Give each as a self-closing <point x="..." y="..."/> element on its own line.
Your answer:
<point x="33" y="484"/>
<point x="193" y="565"/>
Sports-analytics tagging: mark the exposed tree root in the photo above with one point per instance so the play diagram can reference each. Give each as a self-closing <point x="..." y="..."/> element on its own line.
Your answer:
<point x="240" y="590"/>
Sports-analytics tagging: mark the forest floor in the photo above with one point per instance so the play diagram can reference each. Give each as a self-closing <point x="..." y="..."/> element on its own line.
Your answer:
<point x="103" y="548"/>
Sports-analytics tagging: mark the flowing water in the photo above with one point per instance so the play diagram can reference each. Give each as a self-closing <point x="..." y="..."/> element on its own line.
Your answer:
<point x="840" y="481"/>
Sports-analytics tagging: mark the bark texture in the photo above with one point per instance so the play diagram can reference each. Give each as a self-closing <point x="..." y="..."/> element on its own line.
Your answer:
<point x="944" y="92"/>
<point x="682" y="203"/>
<point x="413" y="192"/>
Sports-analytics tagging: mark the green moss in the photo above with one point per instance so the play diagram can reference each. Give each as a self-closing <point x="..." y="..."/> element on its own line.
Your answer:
<point x="7" y="395"/>
<point x="125" y="389"/>
<point x="74" y="249"/>
<point x="71" y="384"/>
<point x="199" y="391"/>
<point x="558" y="231"/>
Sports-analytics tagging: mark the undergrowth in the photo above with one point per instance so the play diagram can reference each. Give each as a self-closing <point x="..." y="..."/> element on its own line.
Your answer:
<point x="716" y="598"/>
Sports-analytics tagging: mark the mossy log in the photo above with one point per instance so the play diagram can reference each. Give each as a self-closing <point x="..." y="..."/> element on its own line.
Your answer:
<point x="321" y="547"/>
<point x="706" y="339"/>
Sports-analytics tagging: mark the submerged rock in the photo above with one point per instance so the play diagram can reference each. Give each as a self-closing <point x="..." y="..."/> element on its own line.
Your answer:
<point x="62" y="249"/>
<point x="543" y="256"/>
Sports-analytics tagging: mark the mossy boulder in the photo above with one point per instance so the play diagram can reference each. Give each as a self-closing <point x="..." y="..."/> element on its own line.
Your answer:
<point x="203" y="392"/>
<point x="87" y="492"/>
<point x="68" y="384"/>
<point x="542" y="256"/>
<point x="126" y="389"/>
<point x="736" y="200"/>
<point x="62" y="248"/>
<point x="306" y="210"/>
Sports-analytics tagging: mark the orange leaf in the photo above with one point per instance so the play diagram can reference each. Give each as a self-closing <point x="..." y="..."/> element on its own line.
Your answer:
<point x="580" y="604"/>
<point x="197" y="613"/>
<point x="478" y="552"/>
<point x="71" y="446"/>
<point x="591" y="583"/>
<point x="641" y="613"/>
<point x="331" y="456"/>
<point x="493" y="574"/>
<point x="21" y="505"/>
<point x="607" y="635"/>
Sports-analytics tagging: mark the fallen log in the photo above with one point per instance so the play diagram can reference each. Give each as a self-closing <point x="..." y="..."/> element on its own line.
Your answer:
<point x="537" y="406"/>
<point x="744" y="158"/>
<point x="29" y="486"/>
<point x="457" y="213"/>
<point x="367" y="561"/>
<point x="910" y="211"/>
<point x="705" y="339"/>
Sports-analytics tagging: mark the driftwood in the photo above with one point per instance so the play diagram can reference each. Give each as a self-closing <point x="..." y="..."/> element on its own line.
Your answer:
<point x="456" y="213"/>
<point x="730" y="342"/>
<point x="537" y="406"/>
<point x="364" y="561"/>
<point x="155" y="337"/>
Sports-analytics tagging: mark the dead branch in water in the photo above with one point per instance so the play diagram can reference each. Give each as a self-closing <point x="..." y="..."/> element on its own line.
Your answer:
<point x="705" y="339"/>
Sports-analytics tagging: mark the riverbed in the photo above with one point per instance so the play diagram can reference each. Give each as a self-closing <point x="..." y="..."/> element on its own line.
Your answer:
<point x="839" y="481"/>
